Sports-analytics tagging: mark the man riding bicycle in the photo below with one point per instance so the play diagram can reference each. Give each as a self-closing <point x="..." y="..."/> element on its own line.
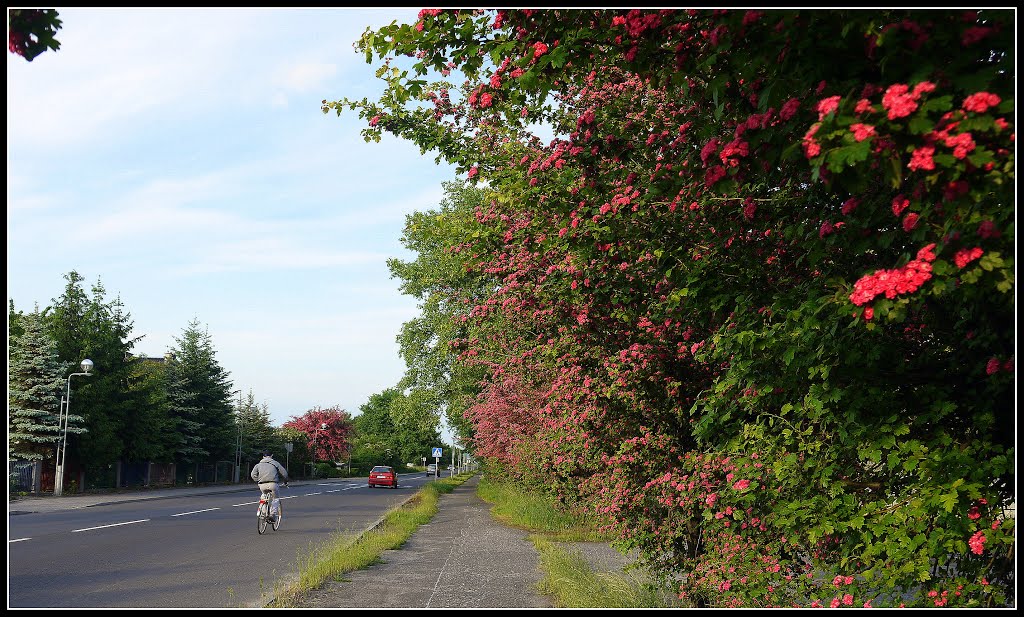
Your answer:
<point x="267" y="473"/>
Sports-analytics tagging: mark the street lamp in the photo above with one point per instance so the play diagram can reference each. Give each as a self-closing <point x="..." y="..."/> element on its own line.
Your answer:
<point x="316" y="431"/>
<point x="63" y="416"/>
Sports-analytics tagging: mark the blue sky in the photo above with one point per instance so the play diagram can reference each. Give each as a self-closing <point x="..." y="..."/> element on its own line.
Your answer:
<point x="180" y="157"/>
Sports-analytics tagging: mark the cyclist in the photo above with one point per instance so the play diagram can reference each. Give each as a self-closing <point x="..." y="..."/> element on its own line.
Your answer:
<point x="267" y="473"/>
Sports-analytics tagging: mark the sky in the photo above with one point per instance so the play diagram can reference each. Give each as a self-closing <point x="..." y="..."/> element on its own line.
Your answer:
<point x="180" y="158"/>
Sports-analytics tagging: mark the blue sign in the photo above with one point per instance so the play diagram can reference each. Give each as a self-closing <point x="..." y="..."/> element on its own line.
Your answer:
<point x="436" y="452"/>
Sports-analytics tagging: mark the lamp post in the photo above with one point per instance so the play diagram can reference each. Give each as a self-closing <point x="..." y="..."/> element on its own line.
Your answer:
<point x="316" y="431"/>
<point x="62" y="429"/>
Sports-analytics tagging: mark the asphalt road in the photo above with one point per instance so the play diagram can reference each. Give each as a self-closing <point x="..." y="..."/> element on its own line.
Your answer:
<point x="192" y="551"/>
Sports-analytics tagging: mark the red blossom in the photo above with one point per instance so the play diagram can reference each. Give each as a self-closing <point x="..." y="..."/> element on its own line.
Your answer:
<point x="789" y="109"/>
<point x="966" y="256"/>
<point x="864" y="106"/>
<point x="980" y="102"/>
<point x="862" y="131"/>
<point x="899" y="204"/>
<point x="922" y="159"/>
<point x="977" y="543"/>
<point x="827" y="106"/>
<point x="898" y="101"/>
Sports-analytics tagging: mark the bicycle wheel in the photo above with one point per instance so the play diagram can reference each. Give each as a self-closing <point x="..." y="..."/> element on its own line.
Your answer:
<point x="280" y="515"/>
<point x="261" y="519"/>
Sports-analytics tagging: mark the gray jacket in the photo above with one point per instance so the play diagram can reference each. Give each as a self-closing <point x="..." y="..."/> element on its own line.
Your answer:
<point x="269" y="470"/>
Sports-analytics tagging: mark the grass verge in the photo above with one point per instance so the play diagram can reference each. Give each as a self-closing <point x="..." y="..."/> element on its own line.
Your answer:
<point x="571" y="583"/>
<point x="346" y="553"/>
<point x="533" y="512"/>
<point x="568" y="579"/>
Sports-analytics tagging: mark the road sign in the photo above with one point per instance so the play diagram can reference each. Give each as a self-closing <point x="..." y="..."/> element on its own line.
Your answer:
<point x="436" y="452"/>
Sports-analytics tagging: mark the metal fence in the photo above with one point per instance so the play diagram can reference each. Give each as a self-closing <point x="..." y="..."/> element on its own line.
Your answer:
<point x="34" y="476"/>
<point x="20" y="477"/>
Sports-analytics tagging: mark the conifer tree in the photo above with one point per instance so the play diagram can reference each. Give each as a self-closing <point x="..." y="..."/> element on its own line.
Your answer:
<point x="35" y="381"/>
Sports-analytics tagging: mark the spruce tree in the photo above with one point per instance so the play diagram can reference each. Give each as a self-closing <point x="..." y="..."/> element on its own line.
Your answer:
<point x="36" y="378"/>
<point x="199" y="393"/>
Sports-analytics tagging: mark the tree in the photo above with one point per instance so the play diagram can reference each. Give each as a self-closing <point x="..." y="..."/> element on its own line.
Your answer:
<point x="94" y="327"/>
<point x="14" y="319"/>
<point x="393" y="428"/>
<point x="149" y="431"/>
<point x="327" y="432"/>
<point x="35" y="382"/>
<point x="30" y="32"/>
<point x="767" y="299"/>
<point x="200" y="398"/>
<point x="440" y="280"/>
<point x="256" y="433"/>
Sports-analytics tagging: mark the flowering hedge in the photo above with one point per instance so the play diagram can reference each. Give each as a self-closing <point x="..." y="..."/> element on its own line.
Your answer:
<point x="754" y="300"/>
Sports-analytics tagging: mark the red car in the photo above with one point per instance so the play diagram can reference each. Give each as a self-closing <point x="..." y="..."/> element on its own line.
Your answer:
<point x="381" y="475"/>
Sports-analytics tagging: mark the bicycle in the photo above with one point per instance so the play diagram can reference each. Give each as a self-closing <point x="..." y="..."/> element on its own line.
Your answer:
<point x="263" y="517"/>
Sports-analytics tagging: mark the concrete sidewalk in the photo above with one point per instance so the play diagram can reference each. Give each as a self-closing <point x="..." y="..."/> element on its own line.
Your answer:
<point x="461" y="559"/>
<point x="50" y="503"/>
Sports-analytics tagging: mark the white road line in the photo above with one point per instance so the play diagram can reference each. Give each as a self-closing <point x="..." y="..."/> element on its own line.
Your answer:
<point x="18" y="540"/>
<point x="114" y="525"/>
<point x="196" y="512"/>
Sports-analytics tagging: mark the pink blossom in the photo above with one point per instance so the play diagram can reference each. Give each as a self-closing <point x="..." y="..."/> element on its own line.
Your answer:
<point x="374" y="120"/>
<point x="962" y="144"/>
<point x="741" y="484"/>
<point x="898" y="101"/>
<point x="539" y="49"/>
<point x="966" y="256"/>
<point x="977" y="543"/>
<point x="899" y="204"/>
<point x="864" y="106"/>
<point x="992" y="366"/>
<point x="923" y="87"/>
<point x="979" y="102"/>
<point x="910" y="221"/>
<point x="922" y="158"/>
<point x="827" y="106"/>
<point x="789" y="109"/>
<point x="862" y="131"/>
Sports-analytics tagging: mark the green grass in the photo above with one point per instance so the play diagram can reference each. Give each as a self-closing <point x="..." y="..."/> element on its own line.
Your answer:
<point x="568" y="578"/>
<point x="345" y="553"/>
<point x="533" y="512"/>
<point x="571" y="583"/>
